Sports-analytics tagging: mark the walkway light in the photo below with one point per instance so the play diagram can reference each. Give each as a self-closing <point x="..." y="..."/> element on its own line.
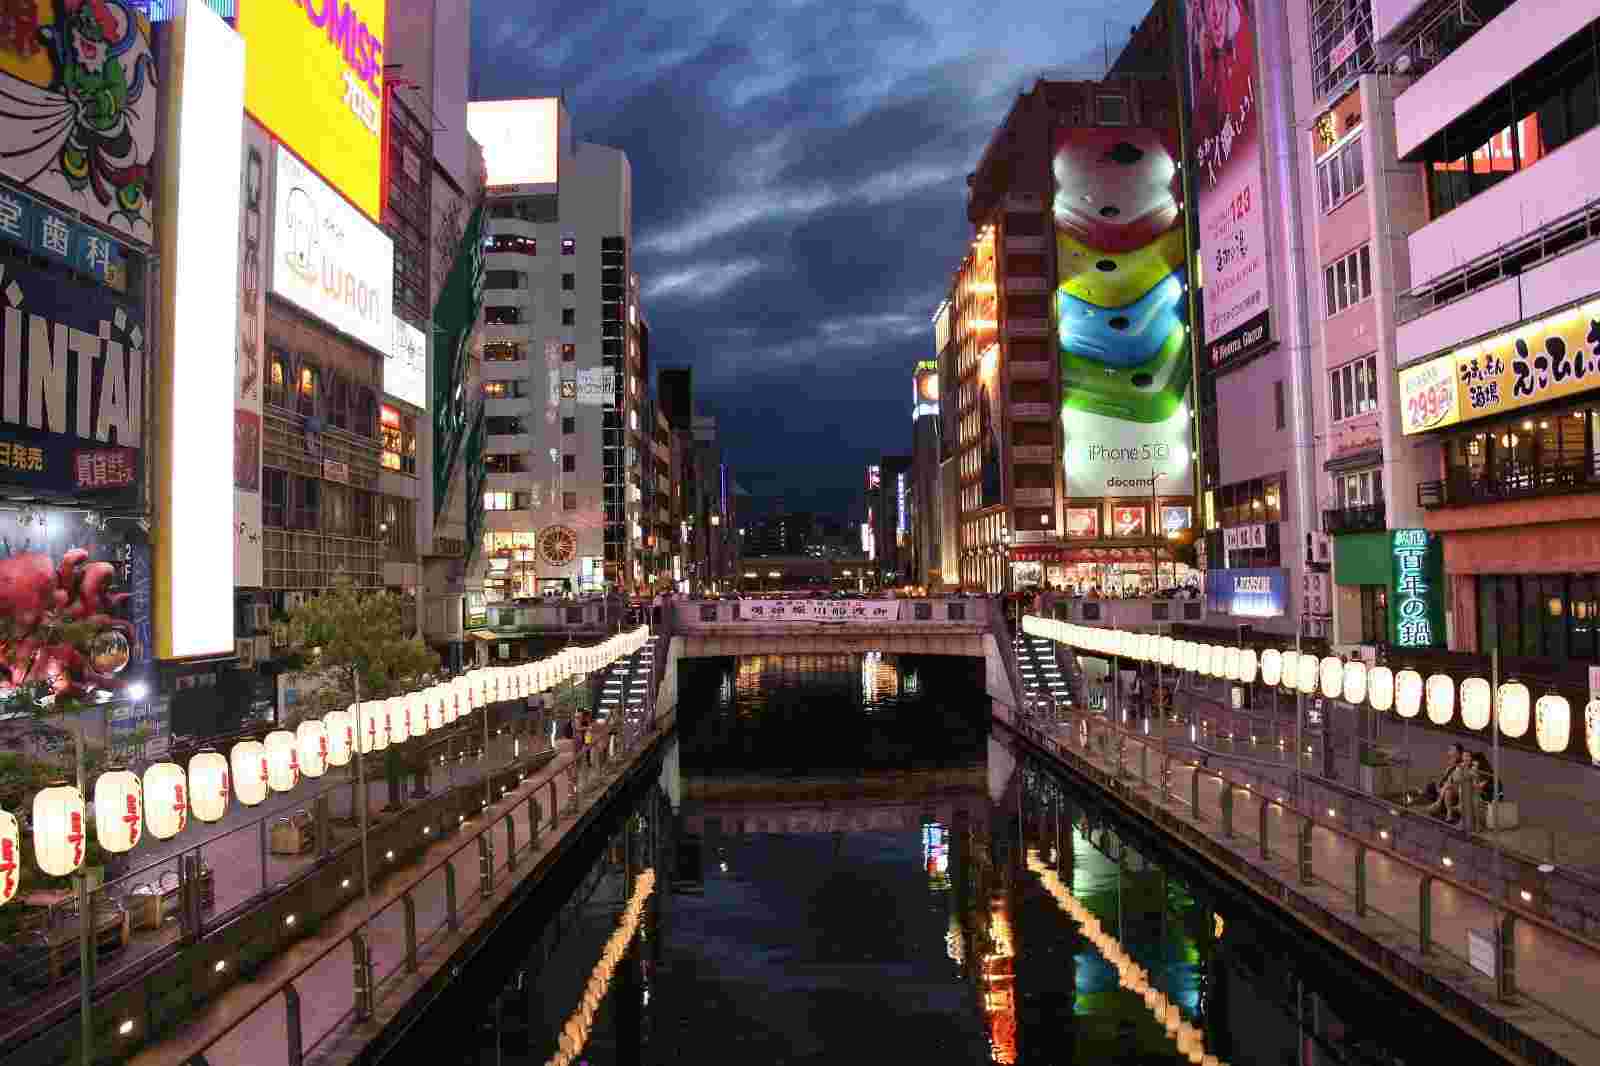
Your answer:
<point x="1407" y="693"/>
<point x="283" y="760"/>
<point x="58" y="830"/>
<point x="1307" y="671"/>
<point x="249" y="762"/>
<point x="1331" y="674"/>
<point x="311" y="738"/>
<point x="341" y="735"/>
<point x="166" y="800"/>
<point x="10" y="857"/>
<point x="1355" y="681"/>
<point x="1514" y="705"/>
<point x="1475" y="703"/>
<point x="1380" y="688"/>
<point x="1441" y="699"/>
<point x="208" y="786"/>
<point x="1271" y="666"/>
<point x="1552" y="724"/>
<point x="118" y="810"/>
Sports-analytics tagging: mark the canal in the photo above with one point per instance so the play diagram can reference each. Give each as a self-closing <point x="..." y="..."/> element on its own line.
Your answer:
<point x="839" y="860"/>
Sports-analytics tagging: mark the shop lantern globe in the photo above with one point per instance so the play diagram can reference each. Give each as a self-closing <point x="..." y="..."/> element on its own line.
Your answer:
<point x="1230" y="664"/>
<point x="283" y="760"/>
<point x="1355" y="681"/>
<point x="1380" y="688"/>
<point x="312" y="740"/>
<point x="341" y="735"/>
<point x="1331" y="675"/>
<point x="1309" y="670"/>
<point x="209" y="786"/>
<point x="1515" y="708"/>
<point x="249" y="762"/>
<point x="1552" y="723"/>
<point x="1476" y="702"/>
<point x="1271" y="666"/>
<point x="1591" y="729"/>
<point x="1291" y="668"/>
<point x="59" y="832"/>
<point x="118" y="810"/>
<point x="1407" y="693"/>
<point x="1441" y="692"/>
<point x="166" y="800"/>
<point x="10" y="857"/>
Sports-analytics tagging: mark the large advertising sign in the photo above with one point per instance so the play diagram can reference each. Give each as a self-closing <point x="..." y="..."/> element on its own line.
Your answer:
<point x="1545" y="360"/>
<point x="1246" y="593"/>
<point x="925" y="389"/>
<point x="1416" y="619"/>
<point x="405" y="365"/>
<point x="316" y="83"/>
<point x="78" y="107"/>
<point x="255" y="205"/>
<point x="327" y="259"/>
<point x="41" y="230"/>
<point x="73" y="376"/>
<point x="521" y="141"/>
<point x="1120" y="312"/>
<point x="1223" y="87"/>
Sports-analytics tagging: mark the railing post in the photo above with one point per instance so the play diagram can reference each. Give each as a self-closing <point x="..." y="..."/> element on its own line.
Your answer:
<point x="291" y="1025"/>
<point x="261" y="826"/>
<point x="533" y="822"/>
<point x="555" y="804"/>
<point x="1425" y="914"/>
<point x="322" y="829"/>
<point x="1506" y="965"/>
<point x="1227" y="807"/>
<point x="485" y="864"/>
<point x="362" y="964"/>
<point x="1194" y="792"/>
<point x="511" y="843"/>
<point x="410" y="906"/>
<point x="1303" y="859"/>
<point x="1361" y="880"/>
<point x="1261" y="829"/>
<point x="1166" y="775"/>
<point x="1144" y="762"/>
<point x="450" y="913"/>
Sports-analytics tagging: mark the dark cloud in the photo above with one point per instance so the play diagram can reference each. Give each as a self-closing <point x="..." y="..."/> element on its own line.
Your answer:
<point x="799" y="194"/>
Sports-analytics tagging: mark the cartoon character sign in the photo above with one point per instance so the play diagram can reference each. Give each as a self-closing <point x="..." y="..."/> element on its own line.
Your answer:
<point x="78" y="106"/>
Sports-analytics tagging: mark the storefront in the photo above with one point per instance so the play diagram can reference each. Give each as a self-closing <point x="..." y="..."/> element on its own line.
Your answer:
<point x="1100" y="571"/>
<point x="1390" y="588"/>
<point x="1517" y="498"/>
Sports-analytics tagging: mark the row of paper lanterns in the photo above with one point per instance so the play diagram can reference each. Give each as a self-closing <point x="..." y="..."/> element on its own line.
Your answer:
<point x="575" y="1034"/>
<point x="126" y="806"/>
<point x="1130" y="975"/>
<point x="1353" y="681"/>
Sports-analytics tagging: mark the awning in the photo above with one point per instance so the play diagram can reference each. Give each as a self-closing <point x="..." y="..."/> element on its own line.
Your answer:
<point x="483" y="634"/>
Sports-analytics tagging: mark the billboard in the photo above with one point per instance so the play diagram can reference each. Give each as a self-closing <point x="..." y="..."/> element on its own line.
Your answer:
<point x="1248" y="593"/>
<point x="520" y="138"/>
<point x="1416" y="618"/>
<point x="1226" y="132"/>
<point x="327" y="259"/>
<point x="1119" y="313"/>
<point x="78" y="107"/>
<point x="405" y="365"/>
<point x="990" y="426"/>
<point x="315" y="81"/>
<point x="925" y="389"/>
<point x="255" y="205"/>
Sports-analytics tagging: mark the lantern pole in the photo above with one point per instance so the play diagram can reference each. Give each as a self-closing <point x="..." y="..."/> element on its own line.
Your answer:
<point x="488" y="777"/>
<point x="85" y="923"/>
<point x="361" y="789"/>
<point x="1494" y="787"/>
<point x="1299" y="719"/>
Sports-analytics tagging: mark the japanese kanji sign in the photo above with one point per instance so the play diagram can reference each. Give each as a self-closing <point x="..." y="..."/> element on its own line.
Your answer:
<point x="849" y="611"/>
<point x="1416" y="605"/>
<point x="44" y="231"/>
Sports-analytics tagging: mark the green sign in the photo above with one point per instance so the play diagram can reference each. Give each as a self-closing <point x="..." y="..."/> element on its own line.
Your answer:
<point x="1416" y="590"/>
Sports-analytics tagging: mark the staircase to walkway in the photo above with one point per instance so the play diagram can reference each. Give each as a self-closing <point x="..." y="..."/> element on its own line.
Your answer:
<point x="628" y="683"/>
<point x="1043" y="680"/>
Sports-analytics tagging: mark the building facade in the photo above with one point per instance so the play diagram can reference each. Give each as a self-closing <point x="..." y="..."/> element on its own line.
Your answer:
<point x="926" y="484"/>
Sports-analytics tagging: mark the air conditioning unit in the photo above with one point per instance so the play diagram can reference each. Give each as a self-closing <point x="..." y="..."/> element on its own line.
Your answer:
<point x="1319" y="548"/>
<point x="261" y="617"/>
<point x="245" y="650"/>
<point x="291" y="600"/>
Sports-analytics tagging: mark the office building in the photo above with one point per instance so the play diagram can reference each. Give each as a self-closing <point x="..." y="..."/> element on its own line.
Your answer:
<point x="926" y="565"/>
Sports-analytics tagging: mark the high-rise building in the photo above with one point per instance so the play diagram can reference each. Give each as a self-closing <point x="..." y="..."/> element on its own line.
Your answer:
<point x="562" y="359"/>
<point x="926" y="567"/>
<point x="891" y="519"/>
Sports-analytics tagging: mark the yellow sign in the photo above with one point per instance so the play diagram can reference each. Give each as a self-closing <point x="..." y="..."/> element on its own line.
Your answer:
<point x="314" y="79"/>
<point x="1544" y="360"/>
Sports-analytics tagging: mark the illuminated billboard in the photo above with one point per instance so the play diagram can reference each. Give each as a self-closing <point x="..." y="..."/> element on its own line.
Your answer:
<point x="327" y="259"/>
<point x="315" y="81"/>
<point x="925" y="389"/>
<point x="1120" y="314"/>
<point x="874" y="477"/>
<point x="405" y="365"/>
<point x="520" y="138"/>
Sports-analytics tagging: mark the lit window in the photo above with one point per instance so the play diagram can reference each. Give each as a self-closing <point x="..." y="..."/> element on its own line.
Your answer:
<point x="569" y="246"/>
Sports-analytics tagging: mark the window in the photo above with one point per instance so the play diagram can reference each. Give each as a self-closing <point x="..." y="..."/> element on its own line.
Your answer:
<point x="569" y="501"/>
<point x="390" y="437"/>
<point x="569" y="352"/>
<point x="505" y="501"/>
<point x="1111" y="110"/>
<point x="569" y="246"/>
<point x="505" y="279"/>
<point x="569" y="424"/>
<point x="569" y="282"/>
<point x="1348" y="280"/>
<point x="502" y="352"/>
<point x="502" y="316"/>
<point x="1360" y="488"/>
<point x="1341" y="43"/>
<point x="500" y="390"/>
<point x="1279" y="419"/>
<point x="506" y="242"/>
<point x="1340" y="174"/>
<point x="505" y="463"/>
<point x="569" y="316"/>
<point x="502" y="425"/>
<point x="306" y="401"/>
<point x="277" y="378"/>
<point x="569" y="464"/>
<point x="1353" y="388"/>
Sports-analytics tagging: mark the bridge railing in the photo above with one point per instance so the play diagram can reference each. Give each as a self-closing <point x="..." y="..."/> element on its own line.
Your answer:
<point x="691" y="615"/>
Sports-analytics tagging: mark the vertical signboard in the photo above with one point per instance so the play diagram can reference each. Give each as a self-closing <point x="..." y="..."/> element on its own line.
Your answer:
<point x="254" y="203"/>
<point x="1224" y="84"/>
<point x="1416" y="615"/>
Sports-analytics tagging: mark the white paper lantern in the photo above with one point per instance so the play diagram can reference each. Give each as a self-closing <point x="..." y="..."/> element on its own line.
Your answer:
<point x="1407" y="693"/>
<point x="1476" y="703"/>
<point x="417" y="713"/>
<point x="1552" y="723"/>
<point x="372" y="731"/>
<point x="474" y="700"/>
<point x="1591" y="729"/>
<point x="118" y="810"/>
<point x="312" y="740"/>
<point x="1514" y="707"/>
<point x="1271" y="666"/>
<point x="249" y="762"/>
<point x="1441" y="699"/>
<point x="455" y="704"/>
<point x="10" y="857"/>
<point x="1202" y="659"/>
<point x="398" y="717"/>
<point x="433" y="706"/>
<point x="59" y="832"/>
<point x="1331" y="674"/>
<point x="283" y="760"/>
<point x="1164" y="652"/>
<point x="341" y="735"/>
<point x="208" y="786"/>
<point x="1308" y="674"/>
<point x="1247" y="665"/>
<point x="1355" y="681"/>
<point x="1230" y="664"/>
<point x="1380" y="688"/>
<point x="1291" y="668"/>
<point x="166" y="800"/>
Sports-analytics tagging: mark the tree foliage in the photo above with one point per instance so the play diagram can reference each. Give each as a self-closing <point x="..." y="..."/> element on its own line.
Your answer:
<point x="345" y="634"/>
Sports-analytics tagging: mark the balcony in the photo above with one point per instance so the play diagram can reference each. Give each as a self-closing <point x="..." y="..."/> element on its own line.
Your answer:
<point x="1517" y="482"/>
<point x="1033" y="453"/>
<point x="1016" y="284"/>
<point x="1033" y="412"/>
<point x="1357" y="518"/>
<point x="1027" y="327"/>
<point x="1030" y="370"/>
<point x="1033" y="497"/>
<point x="1025" y="244"/>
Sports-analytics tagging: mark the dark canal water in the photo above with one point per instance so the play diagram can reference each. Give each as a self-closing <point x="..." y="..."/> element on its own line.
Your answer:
<point x="851" y="868"/>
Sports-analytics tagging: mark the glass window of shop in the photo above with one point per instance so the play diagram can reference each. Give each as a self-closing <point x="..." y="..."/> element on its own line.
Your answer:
<point x="1552" y="616"/>
<point x="1514" y="450"/>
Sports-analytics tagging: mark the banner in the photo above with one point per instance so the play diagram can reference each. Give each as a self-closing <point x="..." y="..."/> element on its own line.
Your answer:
<point x="50" y="234"/>
<point x="254" y="200"/>
<point x="1224" y="84"/>
<point x="597" y="387"/>
<point x="847" y="611"/>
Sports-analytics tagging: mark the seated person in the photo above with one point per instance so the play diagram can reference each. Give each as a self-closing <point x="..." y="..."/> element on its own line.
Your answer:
<point x="1430" y="792"/>
<point x="1456" y="783"/>
<point x="1489" y="790"/>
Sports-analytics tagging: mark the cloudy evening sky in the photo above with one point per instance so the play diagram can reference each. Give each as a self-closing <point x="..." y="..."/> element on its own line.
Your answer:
<point x="799" y="190"/>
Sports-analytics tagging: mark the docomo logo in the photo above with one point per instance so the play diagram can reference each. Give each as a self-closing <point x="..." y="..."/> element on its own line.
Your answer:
<point x="348" y="32"/>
